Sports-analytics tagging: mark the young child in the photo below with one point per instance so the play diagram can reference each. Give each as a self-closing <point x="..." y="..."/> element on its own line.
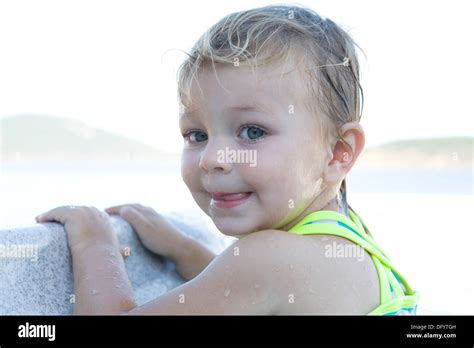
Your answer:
<point x="271" y="104"/>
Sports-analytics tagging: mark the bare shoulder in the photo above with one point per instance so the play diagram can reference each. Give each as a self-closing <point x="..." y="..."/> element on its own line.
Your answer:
<point x="313" y="274"/>
<point x="240" y="280"/>
<point x="275" y="272"/>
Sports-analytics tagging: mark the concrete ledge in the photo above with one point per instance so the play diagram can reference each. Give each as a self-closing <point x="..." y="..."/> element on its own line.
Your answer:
<point x="36" y="272"/>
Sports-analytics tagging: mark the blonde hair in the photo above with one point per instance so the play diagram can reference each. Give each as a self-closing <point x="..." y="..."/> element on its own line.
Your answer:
<point x="272" y="33"/>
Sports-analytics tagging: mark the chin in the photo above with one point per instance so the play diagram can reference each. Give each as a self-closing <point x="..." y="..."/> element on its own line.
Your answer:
<point x="231" y="229"/>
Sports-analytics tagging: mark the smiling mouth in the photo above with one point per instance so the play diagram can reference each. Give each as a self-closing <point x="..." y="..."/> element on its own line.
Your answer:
<point x="229" y="200"/>
<point x="220" y="196"/>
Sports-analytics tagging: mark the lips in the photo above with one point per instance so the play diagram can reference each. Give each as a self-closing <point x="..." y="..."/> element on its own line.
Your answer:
<point x="226" y="201"/>
<point x="229" y="197"/>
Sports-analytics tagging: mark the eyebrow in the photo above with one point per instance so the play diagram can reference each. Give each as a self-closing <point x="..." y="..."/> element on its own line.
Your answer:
<point x="237" y="108"/>
<point x="247" y="108"/>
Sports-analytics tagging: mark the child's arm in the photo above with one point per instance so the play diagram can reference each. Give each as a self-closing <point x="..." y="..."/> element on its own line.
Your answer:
<point x="161" y="237"/>
<point x="194" y="258"/>
<point x="241" y="280"/>
<point x="100" y="276"/>
<point x="98" y="267"/>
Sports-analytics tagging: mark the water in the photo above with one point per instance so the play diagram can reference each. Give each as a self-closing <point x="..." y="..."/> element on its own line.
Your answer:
<point x="417" y="216"/>
<point x="29" y="190"/>
<point x="408" y="180"/>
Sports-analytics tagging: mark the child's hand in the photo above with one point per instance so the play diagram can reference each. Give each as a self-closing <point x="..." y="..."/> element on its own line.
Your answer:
<point x="84" y="225"/>
<point x="155" y="232"/>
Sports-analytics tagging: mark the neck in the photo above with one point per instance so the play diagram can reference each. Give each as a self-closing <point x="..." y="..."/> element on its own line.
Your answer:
<point x="332" y="204"/>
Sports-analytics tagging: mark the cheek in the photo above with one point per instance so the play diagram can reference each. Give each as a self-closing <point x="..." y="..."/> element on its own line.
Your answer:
<point x="189" y="170"/>
<point x="261" y="174"/>
<point x="273" y="177"/>
<point x="289" y="174"/>
<point x="309" y="170"/>
<point x="190" y="176"/>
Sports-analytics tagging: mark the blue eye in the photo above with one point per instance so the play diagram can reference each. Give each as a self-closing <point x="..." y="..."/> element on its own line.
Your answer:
<point x="198" y="136"/>
<point x="252" y="133"/>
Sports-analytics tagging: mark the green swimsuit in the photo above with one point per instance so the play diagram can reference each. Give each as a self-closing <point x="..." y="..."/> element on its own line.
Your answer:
<point x="396" y="296"/>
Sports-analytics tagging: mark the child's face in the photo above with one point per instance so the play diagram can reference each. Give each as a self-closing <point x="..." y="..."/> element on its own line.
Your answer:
<point x="278" y="174"/>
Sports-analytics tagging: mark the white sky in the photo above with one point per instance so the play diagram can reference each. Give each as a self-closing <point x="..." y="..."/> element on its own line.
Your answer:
<point x="104" y="62"/>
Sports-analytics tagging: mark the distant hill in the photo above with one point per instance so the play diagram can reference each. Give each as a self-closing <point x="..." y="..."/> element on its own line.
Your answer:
<point x="32" y="137"/>
<point x="455" y="152"/>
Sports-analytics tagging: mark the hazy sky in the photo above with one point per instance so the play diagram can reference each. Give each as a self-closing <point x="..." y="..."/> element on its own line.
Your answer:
<point x="112" y="64"/>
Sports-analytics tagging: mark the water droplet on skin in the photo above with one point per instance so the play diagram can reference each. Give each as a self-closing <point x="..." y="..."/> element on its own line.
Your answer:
<point x="312" y="291"/>
<point x="227" y="292"/>
<point x="256" y="286"/>
<point x="94" y="292"/>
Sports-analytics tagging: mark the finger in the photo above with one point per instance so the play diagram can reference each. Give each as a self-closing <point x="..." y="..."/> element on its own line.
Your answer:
<point x="116" y="208"/>
<point x="58" y="214"/>
<point x="135" y="218"/>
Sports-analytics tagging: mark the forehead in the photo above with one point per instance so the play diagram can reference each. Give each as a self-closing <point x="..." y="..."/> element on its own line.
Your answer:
<point x="261" y="88"/>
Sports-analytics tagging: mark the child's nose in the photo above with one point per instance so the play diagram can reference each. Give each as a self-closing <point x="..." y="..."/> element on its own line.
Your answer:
<point x="214" y="156"/>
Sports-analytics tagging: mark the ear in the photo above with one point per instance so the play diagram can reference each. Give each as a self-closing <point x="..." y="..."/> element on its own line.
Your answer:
<point x="345" y="155"/>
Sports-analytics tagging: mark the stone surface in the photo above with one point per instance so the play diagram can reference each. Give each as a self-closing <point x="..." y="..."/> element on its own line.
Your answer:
<point x="39" y="280"/>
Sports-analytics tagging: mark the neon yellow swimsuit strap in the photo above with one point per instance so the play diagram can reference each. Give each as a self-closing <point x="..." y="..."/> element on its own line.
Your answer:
<point x="358" y="221"/>
<point x="394" y="284"/>
<point x="335" y="230"/>
<point x="335" y="216"/>
<point x="305" y="227"/>
<point x="385" y="295"/>
<point x="354" y="230"/>
<point x="396" y="304"/>
<point x="402" y="279"/>
<point x="324" y="215"/>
